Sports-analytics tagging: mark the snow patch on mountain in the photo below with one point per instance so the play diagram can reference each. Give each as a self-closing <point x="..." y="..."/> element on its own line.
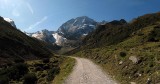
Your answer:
<point x="59" y="39"/>
<point x="43" y="35"/>
<point x="77" y="27"/>
<point x="70" y="33"/>
<point x="10" y="21"/>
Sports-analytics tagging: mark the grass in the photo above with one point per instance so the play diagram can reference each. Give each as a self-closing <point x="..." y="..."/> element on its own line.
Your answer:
<point x="66" y="69"/>
<point x="42" y="68"/>
<point x="136" y="45"/>
<point x="45" y="70"/>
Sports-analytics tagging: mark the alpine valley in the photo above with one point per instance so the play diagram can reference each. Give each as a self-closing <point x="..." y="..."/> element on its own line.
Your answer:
<point x="128" y="51"/>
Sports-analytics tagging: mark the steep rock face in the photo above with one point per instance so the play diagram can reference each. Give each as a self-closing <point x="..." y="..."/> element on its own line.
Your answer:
<point x="71" y="31"/>
<point x="10" y="21"/>
<point x="59" y="39"/>
<point x="44" y="35"/>
<point x="75" y="28"/>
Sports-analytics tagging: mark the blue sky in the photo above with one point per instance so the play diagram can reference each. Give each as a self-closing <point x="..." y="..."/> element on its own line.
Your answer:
<point x="35" y="15"/>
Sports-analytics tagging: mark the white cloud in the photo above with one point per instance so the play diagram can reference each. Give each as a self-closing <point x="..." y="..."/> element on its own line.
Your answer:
<point x="37" y="23"/>
<point x="30" y="7"/>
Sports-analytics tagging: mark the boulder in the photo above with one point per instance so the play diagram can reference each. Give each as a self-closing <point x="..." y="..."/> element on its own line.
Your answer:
<point x="134" y="59"/>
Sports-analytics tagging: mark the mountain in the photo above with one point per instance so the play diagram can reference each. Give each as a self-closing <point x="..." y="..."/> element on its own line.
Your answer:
<point x="14" y="44"/>
<point x="69" y="34"/>
<point x="59" y="39"/>
<point x="44" y="35"/>
<point x="75" y="28"/>
<point x="110" y="33"/>
<point x="128" y="51"/>
<point x="10" y="21"/>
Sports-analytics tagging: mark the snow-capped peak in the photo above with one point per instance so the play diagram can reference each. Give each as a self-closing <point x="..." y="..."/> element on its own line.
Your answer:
<point x="77" y="27"/>
<point x="10" y="21"/>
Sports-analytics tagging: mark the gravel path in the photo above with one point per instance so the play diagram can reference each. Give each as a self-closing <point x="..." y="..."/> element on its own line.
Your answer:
<point x="86" y="72"/>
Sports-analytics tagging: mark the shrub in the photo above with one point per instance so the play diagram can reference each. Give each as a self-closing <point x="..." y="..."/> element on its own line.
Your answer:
<point x="51" y="74"/>
<point x="45" y="60"/>
<point x="39" y="65"/>
<point x="15" y="72"/>
<point x="122" y="54"/>
<point x="9" y="64"/>
<point x="154" y="36"/>
<point x="4" y="80"/>
<point x="30" y="78"/>
<point x="18" y="60"/>
<point x="38" y="68"/>
<point x="46" y="67"/>
<point x="22" y="68"/>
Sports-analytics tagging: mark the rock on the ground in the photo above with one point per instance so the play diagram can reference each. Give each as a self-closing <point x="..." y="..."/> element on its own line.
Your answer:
<point x="134" y="59"/>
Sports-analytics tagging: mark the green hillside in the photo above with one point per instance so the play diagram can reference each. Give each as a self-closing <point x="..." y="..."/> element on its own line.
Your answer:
<point x="128" y="51"/>
<point x="15" y="44"/>
<point x="24" y="59"/>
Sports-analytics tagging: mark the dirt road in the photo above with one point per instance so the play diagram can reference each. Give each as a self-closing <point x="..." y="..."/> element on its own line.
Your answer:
<point x="86" y="72"/>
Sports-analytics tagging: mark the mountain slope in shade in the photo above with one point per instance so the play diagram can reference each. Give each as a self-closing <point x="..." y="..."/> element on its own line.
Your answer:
<point x="15" y="44"/>
<point x="10" y="21"/>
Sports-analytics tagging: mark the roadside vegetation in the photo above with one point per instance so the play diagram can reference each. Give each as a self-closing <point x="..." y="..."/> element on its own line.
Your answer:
<point x="66" y="68"/>
<point x="31" y="72"/>
<point x="129" y="52"/>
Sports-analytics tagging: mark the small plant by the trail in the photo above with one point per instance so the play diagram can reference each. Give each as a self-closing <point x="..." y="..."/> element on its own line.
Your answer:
<point x="51" y="74"/>
<point x="15" y="72"/>
<point x="30" y="79"/>
<point x="122" y="54"/>
<point x="18" y="60"/>
<point x="4" y="80"/>
<point x="46" y="60"/>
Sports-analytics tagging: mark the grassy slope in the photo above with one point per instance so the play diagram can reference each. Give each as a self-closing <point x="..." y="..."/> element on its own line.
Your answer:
<point x="38" y="67"/>
<point x="136" y="45"/>
<point x="66" y="68"/>
<point x="15" y="45"/>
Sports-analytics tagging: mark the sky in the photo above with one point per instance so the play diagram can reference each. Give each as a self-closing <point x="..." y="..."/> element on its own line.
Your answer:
<point x="35" y="15"/>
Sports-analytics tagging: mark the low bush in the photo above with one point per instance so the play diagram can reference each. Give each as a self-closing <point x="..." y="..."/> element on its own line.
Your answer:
<point x="46" y="67"/>
<point x="45" y="60"/>
<point x="51" y="74"/>
<point x="18" y="60"/>
<point x="39" y="65"/>
<point x="15" y="72"/>
<point x="22" y="68"/>
<point x="38" y="69"/>
<point x="122" y="54"/>
<point x="4" y="80"/>
<point x="30" y="78"/>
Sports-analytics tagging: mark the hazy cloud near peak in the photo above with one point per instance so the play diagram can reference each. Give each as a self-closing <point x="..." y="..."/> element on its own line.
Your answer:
<point x="37" y="23"/>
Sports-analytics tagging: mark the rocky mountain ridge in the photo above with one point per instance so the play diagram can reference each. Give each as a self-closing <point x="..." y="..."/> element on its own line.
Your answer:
<point x="72" y="30"/>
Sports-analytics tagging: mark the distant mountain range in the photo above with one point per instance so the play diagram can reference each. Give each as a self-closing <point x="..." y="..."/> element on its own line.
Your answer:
<point x="72" y="30"/>
<point x="68" y="34"/>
